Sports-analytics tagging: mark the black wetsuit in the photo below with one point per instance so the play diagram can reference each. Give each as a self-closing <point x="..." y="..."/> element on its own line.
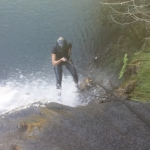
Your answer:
<point x="58" y="68"/>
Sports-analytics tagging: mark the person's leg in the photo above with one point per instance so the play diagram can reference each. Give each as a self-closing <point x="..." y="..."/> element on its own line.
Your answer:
<point x="73" y="72"/>
<point x="58" y="73"/>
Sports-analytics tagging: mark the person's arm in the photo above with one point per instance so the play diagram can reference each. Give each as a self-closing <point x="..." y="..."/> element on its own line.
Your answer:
<point x="56" y="62"/>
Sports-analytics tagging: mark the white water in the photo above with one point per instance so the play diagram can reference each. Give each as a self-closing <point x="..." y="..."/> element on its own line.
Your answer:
<point x="15" y="95"/>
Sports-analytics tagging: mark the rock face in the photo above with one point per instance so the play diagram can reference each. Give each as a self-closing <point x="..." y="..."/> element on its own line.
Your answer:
<point x="106" y="126"/>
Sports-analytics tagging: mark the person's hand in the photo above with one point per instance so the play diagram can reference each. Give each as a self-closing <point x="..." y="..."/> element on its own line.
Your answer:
<point x="63" y="59"/>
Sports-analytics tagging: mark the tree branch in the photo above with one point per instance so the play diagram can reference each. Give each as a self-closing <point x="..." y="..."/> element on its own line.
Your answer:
<point x="135" y="12"/>
<point x="127" y="23"/>
<point x="121" y="3"/>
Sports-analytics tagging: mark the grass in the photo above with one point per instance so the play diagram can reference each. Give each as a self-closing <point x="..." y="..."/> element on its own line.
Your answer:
<point x="142" y="90"/>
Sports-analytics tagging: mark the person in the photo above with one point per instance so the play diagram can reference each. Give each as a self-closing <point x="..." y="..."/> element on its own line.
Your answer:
<point x="61" y="57"/>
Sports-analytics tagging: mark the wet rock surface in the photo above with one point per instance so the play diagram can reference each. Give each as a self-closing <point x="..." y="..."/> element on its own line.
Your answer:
<point x="91" y="91"/>
<point x="97" y="126"/>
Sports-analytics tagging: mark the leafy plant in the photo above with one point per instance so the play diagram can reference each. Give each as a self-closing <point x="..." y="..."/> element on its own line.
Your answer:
<point x="124" y="66"/>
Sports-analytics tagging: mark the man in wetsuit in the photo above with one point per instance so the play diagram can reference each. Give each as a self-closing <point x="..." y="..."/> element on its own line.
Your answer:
<point x="60" y="57"/>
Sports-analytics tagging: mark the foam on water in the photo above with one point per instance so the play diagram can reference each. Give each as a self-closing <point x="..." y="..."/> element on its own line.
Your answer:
<point x="16" y="95"/>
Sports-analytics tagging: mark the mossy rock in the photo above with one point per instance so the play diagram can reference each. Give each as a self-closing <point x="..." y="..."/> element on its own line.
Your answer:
<point x="126" y="89"/>
<point x="32" y="125"/>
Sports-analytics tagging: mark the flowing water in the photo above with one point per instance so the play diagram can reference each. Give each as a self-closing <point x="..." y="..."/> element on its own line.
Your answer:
<point x="28" y="31"/>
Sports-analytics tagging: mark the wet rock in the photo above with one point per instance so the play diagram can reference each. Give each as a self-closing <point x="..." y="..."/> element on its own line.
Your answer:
<point x="86" y="84"/>
<point x="31" y="126"/>
<point x="15" y="147"/>
<point x="92" y="127"/>
<point x="109" y="85"/>
<point x="124" y="90"/>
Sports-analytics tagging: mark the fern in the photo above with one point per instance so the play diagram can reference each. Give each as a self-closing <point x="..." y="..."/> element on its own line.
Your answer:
<point x="124" y="66"/>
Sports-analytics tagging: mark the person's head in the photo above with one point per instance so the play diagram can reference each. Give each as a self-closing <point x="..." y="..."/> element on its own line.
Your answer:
<point x="61" y="44"/>
<point x="69" y="45"/>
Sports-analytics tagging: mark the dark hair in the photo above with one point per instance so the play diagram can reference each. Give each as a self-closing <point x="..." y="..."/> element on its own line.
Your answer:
<point x="61" y="44"/>
<point x="69" y="45"/>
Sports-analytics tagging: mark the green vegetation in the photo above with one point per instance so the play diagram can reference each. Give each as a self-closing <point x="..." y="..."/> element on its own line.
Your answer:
<point x="124" y="66"/>
<point x="128" y="24"/>
<point x="142" y="90"/>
